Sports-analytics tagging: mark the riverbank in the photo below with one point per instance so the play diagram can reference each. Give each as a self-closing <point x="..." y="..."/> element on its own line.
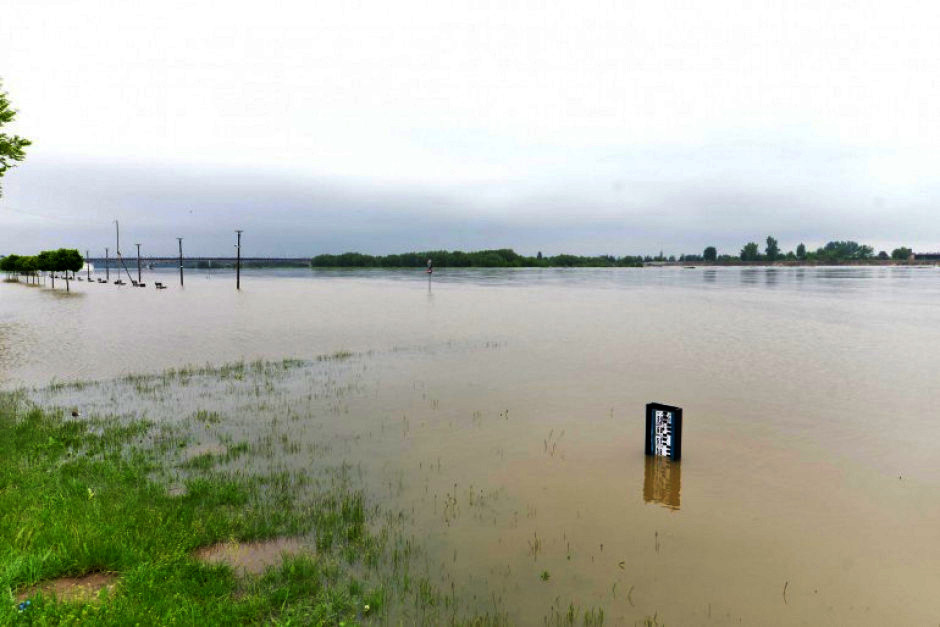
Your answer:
<point x="122" y="513"/>
<point x="120" y="520"/>
<point x="806" y="263"/>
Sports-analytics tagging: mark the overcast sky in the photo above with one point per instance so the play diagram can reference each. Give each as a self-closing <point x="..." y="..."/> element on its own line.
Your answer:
<point x="586" y="127"/>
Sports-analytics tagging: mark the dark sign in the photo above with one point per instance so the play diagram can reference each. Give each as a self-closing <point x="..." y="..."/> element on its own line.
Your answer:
<point x="664" y="430"/>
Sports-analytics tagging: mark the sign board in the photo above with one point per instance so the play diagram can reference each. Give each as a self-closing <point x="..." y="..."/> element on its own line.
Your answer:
<point x="664" y="430"/>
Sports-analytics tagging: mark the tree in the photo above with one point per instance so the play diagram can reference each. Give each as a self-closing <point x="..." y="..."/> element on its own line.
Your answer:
<point x="750" y="252"/>
<point x="10" y="263"/>
<point x="68" y="260"/>
<point x="902" y="253"/>
<point x="773" y="251"/>
<point x="11" y="146"/>
<point x="882" y="255"/>
<point x="841" y="251"/>
<point x="29" y="266"/>
<point x="710" y="253"/>
<point x="46" y="262"/>
<point x="801" y="251"/>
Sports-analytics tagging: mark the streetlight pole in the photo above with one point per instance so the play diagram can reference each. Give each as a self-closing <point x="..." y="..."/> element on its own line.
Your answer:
<point x="180" y="240"/>
<point x="87" y="265"/>
<point x="238" y="262"/>
<point x="138" y="263"/>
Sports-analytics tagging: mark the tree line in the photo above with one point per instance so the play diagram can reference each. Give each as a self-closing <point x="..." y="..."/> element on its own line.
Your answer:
<point x="62" y="260"/>
<point x="500" y="258"/>
<point x="833" y="252"/>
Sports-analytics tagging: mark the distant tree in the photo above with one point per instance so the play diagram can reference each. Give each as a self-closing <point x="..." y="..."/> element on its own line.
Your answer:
<point x="12" y="147"/>
<point x="750" y="252"/>
<point x="68" y="260"/>
<point x="539" y="256"/>
<point x="10" y="264"/>
<point x="46" y="262"/>
<point x="773" y="251"/>
<point x="902" y="253"/>
<point x="882" y="255"/>
<point x="501" y="258"/>
<point x="30" y="267"/>
<point x="710" y="254"/>
<point x="844" y="251"/>
<point x="801" y="251"/>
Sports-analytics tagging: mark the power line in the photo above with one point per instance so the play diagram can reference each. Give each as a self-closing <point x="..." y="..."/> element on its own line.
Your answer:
<point x="40" y="215"/>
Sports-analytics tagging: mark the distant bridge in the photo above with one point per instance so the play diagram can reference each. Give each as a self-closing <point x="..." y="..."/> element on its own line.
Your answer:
<point x="926" y="256"/>
<point x="202" y="262"/>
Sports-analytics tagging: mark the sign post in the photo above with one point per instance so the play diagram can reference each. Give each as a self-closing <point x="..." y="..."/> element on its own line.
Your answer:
<point x="664" y="431"/>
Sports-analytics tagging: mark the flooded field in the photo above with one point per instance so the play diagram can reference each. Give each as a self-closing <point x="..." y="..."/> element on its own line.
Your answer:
<point x="500" y="413"/>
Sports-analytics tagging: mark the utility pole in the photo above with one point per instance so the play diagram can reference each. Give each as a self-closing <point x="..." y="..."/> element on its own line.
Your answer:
<point x="238" y="262"/>
<point x="138" y="263"/>
<point x="107" y="266"/>
<point x="87" y="266"/>
<point x="180" y="240"/>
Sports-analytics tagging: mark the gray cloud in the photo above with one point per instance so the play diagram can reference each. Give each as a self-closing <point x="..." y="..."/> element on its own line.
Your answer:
<point x="609" y="128"/>
<point x="635" y="206"/>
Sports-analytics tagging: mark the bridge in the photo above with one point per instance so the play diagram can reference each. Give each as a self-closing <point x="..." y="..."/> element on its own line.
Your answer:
<point x="202" y="262"/>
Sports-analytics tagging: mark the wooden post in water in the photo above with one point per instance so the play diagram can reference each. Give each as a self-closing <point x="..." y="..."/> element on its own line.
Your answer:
<point x="138" y="263"/>
<point x="180" y="240"/>
<point x="107" y="266"/>
<point x="238" y="261"/>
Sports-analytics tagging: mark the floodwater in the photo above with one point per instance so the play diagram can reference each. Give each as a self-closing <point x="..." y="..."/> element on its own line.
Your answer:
<point x="503" y="410"/>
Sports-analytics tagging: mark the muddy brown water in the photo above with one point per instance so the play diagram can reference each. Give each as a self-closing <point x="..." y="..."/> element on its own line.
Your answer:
<point x="252" y="557"/>
<point x="504" y="410"/>
<point x="83" y="588"/>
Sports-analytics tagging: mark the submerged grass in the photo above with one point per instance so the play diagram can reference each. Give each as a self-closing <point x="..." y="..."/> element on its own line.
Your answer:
<point x="78" y="498"/>
<point x="136" y="499"/>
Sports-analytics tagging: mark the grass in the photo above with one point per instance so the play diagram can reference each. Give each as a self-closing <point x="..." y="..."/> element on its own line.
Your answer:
<point x="130" y="497"/>
<point x="77" y="497"/>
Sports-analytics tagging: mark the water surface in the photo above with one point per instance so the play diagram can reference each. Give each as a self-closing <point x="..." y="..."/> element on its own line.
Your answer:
<point x="503" y="409"/>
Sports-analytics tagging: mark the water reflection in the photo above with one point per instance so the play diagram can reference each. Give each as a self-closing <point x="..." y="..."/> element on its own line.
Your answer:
<point x="749" y="276"/>
<point x="770" y="277"/>
<point x="710" y="275"/>
<point x="662" y="479"/>
<point x="852" y="272"/>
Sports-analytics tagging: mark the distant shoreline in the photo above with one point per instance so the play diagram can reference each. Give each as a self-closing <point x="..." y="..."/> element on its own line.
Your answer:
<point x="835" y="253"/>
<point x="793" y="264"/>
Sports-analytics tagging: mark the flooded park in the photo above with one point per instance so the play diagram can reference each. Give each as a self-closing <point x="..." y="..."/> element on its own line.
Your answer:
<point x="498" y="417"/>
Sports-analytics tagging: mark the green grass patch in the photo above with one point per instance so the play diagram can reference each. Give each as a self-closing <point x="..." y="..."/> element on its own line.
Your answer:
<point x="79" y="497"/>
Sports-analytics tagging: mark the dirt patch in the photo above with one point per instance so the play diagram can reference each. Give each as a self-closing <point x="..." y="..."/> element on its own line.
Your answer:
<point x="84" y="588"/>
<point x="251" y="557"/>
